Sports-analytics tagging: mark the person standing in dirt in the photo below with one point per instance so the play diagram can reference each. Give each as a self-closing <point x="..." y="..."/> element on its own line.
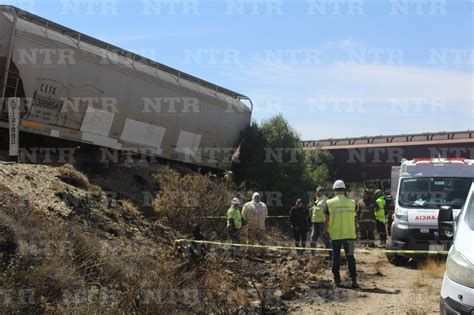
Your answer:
<point x="234" y="224"/>
<point x="380" y="216"/>
<point x="366" y="217"/>
<point x="341" y="227"/>
<point x="299" y="221"/>
<point x="317" y="220"/>
<point x="254" y="214"/>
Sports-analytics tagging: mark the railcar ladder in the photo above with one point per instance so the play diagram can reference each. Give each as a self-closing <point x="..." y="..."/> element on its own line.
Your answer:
<point x="11" y="89"/>
<point x="11" y="86"/>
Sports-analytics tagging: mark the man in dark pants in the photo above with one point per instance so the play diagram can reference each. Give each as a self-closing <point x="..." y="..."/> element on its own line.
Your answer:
<point x="299" y="221"/>
<point x="366" y="217"/>
<point x="340" y="225"/>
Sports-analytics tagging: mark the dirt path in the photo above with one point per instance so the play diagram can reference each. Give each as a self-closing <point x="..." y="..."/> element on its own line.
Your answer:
<point x="384" y="289"/>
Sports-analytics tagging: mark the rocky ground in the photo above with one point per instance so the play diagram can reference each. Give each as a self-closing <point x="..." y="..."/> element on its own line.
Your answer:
<point x="277" y="282"/>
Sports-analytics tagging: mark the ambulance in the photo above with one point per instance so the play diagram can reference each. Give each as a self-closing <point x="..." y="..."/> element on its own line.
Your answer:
<point x="423" y="185"/>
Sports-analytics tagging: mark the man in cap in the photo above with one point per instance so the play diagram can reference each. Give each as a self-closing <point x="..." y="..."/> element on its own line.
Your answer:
<point x="317" y="220"/>
<point x="340" y="225"/>
<point x="254" y="214"/>
<point x="299" y="220"/>
<point x="234" y="224"/>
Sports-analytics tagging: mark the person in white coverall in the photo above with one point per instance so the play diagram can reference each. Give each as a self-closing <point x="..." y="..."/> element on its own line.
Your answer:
<point x="254" y="214"/>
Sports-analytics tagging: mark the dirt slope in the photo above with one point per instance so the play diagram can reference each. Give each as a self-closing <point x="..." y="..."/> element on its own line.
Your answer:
<point x="148" y="278"/>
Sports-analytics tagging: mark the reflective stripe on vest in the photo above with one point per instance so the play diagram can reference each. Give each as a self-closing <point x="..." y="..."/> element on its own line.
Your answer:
<point x="341" y="218"/>
<point x="317" y="215"/>
<point x="380" y="214"/>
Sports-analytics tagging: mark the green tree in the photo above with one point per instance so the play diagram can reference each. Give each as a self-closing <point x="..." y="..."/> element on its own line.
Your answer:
<point x="272" y="160"/>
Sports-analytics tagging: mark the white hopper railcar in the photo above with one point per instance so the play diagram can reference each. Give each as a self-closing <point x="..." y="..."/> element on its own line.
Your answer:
<point x="78" y="88"/>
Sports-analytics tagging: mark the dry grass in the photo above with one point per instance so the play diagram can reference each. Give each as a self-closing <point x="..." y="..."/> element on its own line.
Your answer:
<point x="288" y="282"/>
<point x="130" y="208"/>
<point x="429" y="269"/>
<point x="68" y="174"/>
<point x="419" y="282"/>
<point x="433" y="268"/>
<point x="379" y="265"/>
<point x="70" y="266"/>
<point x="316" y="265"/>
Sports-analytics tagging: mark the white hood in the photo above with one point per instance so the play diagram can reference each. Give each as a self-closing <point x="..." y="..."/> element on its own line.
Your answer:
<point x="255" y="195"/>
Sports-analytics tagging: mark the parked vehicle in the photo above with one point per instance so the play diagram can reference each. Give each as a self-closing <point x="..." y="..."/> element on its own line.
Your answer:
<point x="424" y="185"/>
<point x="457" y="291"/>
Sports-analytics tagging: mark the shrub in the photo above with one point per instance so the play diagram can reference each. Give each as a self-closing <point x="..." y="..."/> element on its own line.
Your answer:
<point x="130" y="208"/>
<point x="68" y="174"/>
<point x="186" y="199"/>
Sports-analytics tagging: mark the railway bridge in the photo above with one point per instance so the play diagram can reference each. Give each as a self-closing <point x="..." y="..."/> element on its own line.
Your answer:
<point x="364" y="158"/>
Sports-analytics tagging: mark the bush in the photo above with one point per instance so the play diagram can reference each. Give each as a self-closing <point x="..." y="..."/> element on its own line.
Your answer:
<point x="130" y="208"/>
<point x="68" y="174"/>
<point x="272" y="159"/>
<point x="186" y="199"/>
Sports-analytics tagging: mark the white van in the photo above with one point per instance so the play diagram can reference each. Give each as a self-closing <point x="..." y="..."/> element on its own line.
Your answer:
<point x="421" y="187"/>
<point x="457" y="292"/>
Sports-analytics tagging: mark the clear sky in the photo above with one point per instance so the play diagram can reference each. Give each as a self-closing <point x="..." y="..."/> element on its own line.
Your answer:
<point x="334" y="68"/>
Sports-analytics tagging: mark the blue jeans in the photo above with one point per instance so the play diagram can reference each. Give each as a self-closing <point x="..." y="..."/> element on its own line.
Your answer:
<point x="318" y="231"/>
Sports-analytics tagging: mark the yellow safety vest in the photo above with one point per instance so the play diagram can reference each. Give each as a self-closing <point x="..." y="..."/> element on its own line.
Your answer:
<point x="380" y="214"/>
<point x="342" y="218"/>
<point x="317" y="212"/>
<point x="234" y="214"/>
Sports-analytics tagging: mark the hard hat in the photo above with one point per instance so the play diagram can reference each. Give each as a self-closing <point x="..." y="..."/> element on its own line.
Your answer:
<point x="235" y="201"/>
<point x="339" y="184"/>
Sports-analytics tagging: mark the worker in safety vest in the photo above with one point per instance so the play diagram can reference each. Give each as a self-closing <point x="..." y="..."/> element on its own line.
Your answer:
<point x="340" y="225"/>
<point x="317" y="220"/>
<point x="234" y="220"/>
<point x="366" y="217"/>
<point x="234" y="224"/>
<point x="380" y="216"/>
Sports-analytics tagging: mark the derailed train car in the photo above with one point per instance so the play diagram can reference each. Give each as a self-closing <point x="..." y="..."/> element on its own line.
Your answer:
<point x="74" y="87"/>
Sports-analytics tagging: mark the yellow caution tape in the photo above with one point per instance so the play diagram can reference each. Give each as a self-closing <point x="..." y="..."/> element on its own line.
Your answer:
<point x="277" y="247"/>
<point x="224" y="217"/>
